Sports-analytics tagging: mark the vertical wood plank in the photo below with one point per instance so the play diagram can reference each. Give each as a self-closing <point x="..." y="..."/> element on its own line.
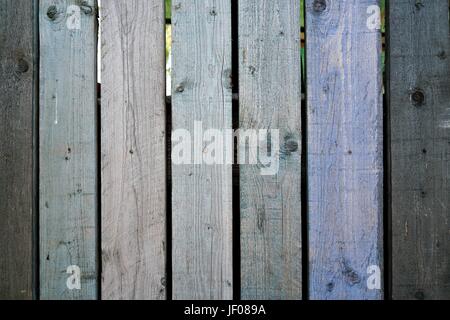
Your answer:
<point x="68" y="149"/>
<point x="133" y="150"/>
<point x="345" y="150"/>
<point x="270" y="98"/>
<point x="17" y="114"/>
<point x="419" y="100"/>
<point x="202" y="194"/>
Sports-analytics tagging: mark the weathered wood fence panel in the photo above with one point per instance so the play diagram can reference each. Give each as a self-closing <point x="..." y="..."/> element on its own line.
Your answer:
<point x="84" y="178"/>
<point x="133" y="150"/>
<point x="17" y="114"/>
<point x="201" y="193"/>
<point x="270" y="98"/>
<point x="419" y="100"/>
<point x="68" y="150"/>
<point x="345" y="150"/>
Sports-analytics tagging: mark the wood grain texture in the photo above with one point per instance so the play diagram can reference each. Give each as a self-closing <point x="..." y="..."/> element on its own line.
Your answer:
<point x="270" y="98"/>
<point x="345" y="149"/>
<point x="17" y="114"/>
<point x="419" y="100"/>
<point x="68" y="148"/>
<point x="202" y="194"/>
<point x="133" y="150"/>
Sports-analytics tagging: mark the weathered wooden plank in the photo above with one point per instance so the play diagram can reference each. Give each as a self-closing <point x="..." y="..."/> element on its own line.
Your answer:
<point x="133" y="150"/>
<point x="68" y="149"/>
<point x="202" y="194"/>
<point x="419" y="104"/>
<point x="345" y="150"/>
<point x="17" y="114"/>
<point x="270" y="98"/>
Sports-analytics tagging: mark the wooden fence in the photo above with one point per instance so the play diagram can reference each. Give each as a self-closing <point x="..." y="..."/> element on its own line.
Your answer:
<point x="93" y="207"/>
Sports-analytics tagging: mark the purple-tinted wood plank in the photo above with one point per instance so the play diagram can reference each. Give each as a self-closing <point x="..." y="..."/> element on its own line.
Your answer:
<point x="345" y="150"/>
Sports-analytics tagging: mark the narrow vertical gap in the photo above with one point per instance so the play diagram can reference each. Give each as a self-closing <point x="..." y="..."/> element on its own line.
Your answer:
<point x="168" y="200"/>
<point x="99" y="199"/>
<point x="98" y="158"/>
<point x="168" y="119"/>
<point x="35" y="214"/>
<point x="387" y="165"/>
<point x="304" y="160"/>
<point x="236" y="172"/>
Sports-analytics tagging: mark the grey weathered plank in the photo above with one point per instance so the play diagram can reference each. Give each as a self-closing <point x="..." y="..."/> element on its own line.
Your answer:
<point x="68" y="149"/>
<point x="202" y="194"/>
<point x="17" y="107"/>
<point x="419" y="100"/>
<point x="345" y="149"/>
<point x="133" y="150"/>
<point x="270" y="98"/>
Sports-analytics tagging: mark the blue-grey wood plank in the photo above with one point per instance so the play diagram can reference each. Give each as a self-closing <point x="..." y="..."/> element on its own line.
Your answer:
<point x="270" y="98"/>
<point x="201" y="193"/>
<point x="345" y="150"/>
<point x="419" y="105"/>
<point x="68" y="149"/>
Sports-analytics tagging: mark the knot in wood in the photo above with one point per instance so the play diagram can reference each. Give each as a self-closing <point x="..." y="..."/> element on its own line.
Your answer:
<point x="417" y="97"/>
<point x="319" y="6"/>
<point x="52" y="12"/>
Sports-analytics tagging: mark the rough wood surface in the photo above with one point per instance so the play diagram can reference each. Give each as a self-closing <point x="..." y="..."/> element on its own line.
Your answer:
<point x="68" y="149"/>
<point x="419" y="99"/>
<point x="345" y="149"/>
<point x="133" y="150"/>
<point x="202" y="194"/>
<point x="270" y="98"/>
<point x="17" y="106"/>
